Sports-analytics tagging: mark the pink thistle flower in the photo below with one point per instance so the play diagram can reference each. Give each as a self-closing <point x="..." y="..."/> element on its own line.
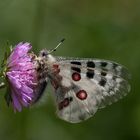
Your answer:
<point x="22" y="76"/>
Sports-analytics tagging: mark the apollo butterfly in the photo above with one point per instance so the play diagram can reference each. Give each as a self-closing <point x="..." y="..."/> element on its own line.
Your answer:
<point x="81" y="85"/>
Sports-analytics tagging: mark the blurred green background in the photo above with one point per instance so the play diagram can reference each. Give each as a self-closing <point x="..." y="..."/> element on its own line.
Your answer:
<point x="93" y="28"/>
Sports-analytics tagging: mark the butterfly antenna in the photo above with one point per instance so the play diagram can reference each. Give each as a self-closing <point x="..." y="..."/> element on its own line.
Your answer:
<point x="57" y="46"/>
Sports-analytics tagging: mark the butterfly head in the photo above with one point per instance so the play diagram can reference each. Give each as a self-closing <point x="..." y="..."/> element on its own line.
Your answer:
<point x="45" y="55"/>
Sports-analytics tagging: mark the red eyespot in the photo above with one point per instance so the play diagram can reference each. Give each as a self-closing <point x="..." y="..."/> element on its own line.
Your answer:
<point x="64" y="103"/>
<point x="55" y="66"/>
<point x="82" y="94"/>
<point x="76" y="76"/>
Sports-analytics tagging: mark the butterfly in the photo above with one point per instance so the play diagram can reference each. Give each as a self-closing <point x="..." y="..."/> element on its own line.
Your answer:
<point x="81" y="85"/>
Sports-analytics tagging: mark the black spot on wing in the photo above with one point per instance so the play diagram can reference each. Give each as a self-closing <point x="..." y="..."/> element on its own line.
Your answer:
<point x="103" y="64"/>
<point x="90" y="74"/>
<point x="76" y="62"/>
<point x="103" y="73"/>
<point x="102" y="82"/>
<point x="91" y="64"/>
<point x="70" y="99"/>
<point x="76" y="69"/>
<point x="115" y="65"/>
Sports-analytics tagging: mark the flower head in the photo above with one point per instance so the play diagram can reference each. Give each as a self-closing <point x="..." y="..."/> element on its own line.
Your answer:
<point x="21" y="75"/>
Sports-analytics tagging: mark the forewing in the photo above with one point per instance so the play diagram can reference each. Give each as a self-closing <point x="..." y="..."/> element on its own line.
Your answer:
<point x="84" y="85"/>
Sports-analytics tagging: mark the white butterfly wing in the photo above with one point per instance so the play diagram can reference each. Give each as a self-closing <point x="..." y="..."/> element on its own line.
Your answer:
<point x="84" y="85"/>
<point x="74" y="109"/>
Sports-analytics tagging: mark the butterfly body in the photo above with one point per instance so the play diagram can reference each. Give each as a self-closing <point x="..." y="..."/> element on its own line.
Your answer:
<point x="81" y="86"/>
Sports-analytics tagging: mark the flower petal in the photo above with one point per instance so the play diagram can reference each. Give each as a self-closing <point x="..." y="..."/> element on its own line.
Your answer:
<point x="22" y="76"/>
<point x="19" y="52"/>
<point x="16" y="104"/>
<point x="13" y="80"/>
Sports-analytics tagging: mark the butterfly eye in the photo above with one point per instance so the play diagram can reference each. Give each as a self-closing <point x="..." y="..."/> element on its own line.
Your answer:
<point x="43" y="53"/>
